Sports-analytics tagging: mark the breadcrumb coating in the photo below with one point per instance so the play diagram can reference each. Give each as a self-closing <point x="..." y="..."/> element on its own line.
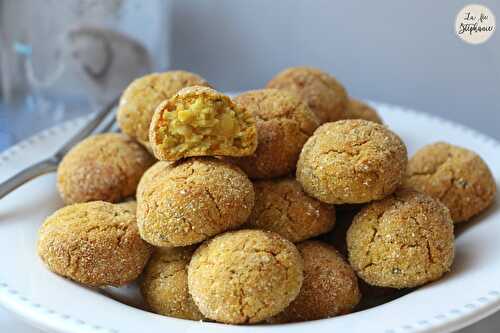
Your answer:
<point x="95" y="243"/>
<point x="103" y="167"/>
<point x="352" y="161"/>
<point x="282" y="206"/>
<point x="324" y="95"/>
<point x="284" y="123"/>
<point x="330" y="286"/>
<point x="139" y="101"/>
<point x="130" y="205"/>
<point x="245" y="276"/>
<point x="357" y="109"/>
<point x="197" y="199"/>
<point x="151" y="175"/>
<point x="164" y="284"/>
<point x="456" y="176"/>
<point x="402" y="241"/>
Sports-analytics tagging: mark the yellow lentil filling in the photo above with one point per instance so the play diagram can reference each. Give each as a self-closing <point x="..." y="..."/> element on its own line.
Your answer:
<point x="203" y="122"/>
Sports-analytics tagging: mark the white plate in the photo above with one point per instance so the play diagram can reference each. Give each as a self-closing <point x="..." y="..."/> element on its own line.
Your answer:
<point x="470" y="292"/>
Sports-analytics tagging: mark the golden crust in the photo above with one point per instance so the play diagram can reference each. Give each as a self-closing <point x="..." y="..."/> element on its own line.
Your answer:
<point x="197" y="199"/>
<point x="130" y="205"/>
<point x="282" y="206"/>
<point x="351" y="161"/>
<point x="94" y="243"/>
<point x="139" y="101"/>
<point x="284" y="123"/>
<point x="402" y="241"/>
<point x="458" y="177"/>
<point x="164" y="283"/>
<point x="102" y="167"/>
<point x="330" y="286"/>
<point x="206" y="140"/>
<point x="360" y="110"/>
<point x="151" y="175"/>
<point x="245" y="276"/>
<point x="324" y="95"/>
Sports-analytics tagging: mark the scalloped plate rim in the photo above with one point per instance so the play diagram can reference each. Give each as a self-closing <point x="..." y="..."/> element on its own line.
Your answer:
<point x="45" y="318"/>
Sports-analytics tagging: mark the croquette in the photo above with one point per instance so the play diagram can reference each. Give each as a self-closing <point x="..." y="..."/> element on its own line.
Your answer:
<point x="357" y="109"/>
<point x="330" y="286"/>
<point x="199" y="121"/>
<point x="245" y="276"/>
<point x="402" y="241"/>
<point x="282" y="206"/>
<point x="164" y="284"/>
<point x="284" y="123"/>
<point x="95" y="243"/>
<point x="139" y="101"/>
<point x="197" y="199"/>
<point x="352" y="161"/>
<point x="152" y="175"/>
<point x="324" y="95"/>
<point x="103" y="167"/>
<point x="130" y="205"/>
<point x="456" y="176"/>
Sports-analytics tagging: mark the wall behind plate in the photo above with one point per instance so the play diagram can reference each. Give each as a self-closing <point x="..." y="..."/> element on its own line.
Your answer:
<point x="402" y="52"/>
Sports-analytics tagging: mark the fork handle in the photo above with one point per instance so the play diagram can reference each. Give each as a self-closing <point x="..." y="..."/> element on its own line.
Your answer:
<point x="38" y="169"/>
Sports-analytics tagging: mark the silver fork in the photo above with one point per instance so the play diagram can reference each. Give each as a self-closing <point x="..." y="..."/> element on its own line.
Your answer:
<point x="50" y="164"/>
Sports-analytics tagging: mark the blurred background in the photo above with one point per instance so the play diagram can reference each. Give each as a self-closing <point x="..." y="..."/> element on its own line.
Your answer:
<point x="63" y="59"/>
<point x="60" y="60"/>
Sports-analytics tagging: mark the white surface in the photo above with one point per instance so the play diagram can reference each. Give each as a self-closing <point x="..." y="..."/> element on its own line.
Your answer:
<point x="14" y="325"/>
<point x="10" y="324"/>
<point x="469" y="293"/>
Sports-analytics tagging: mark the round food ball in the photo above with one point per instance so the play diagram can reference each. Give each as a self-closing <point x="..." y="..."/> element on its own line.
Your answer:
<point x="152" y="175"/>
<point x="245" y="276"/>
<point x="139" y="101"/>
<point x="103" y="167"/>
<point x="282" y="206"/>
<point x="197" y="199"/>
<point x="94" y="243"/>
<point x="360" y="110"/>
<point x="164" y="285"/>
<point x="456" y="176"/>
<point x="402" y="241"/>
<point x="324" y="95"/>
<point x="284" y="123"/>
<point x="330" y="286"/>
<point x="352" y="161"/>
<point x="199" y="121"/>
